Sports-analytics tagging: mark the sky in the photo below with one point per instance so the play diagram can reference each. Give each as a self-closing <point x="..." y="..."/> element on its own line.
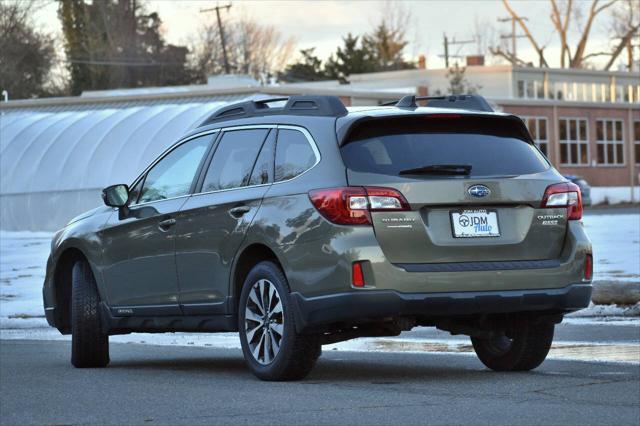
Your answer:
<point x="321" y="24"/>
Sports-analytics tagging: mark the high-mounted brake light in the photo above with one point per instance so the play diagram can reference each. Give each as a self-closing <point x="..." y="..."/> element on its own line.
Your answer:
<point x="436" y="116"/>
<point x="564" y="195"/>
<point x="352" y="205"/>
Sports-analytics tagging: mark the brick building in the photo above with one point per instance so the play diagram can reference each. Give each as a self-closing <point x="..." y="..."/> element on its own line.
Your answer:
<point x="587" y="122"/>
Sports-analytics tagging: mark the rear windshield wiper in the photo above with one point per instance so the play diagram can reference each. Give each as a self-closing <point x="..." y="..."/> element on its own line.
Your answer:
<point x="439" y="169"/>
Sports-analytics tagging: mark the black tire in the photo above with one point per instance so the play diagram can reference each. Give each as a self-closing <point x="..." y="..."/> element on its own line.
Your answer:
<point x="297" y="353"/>
<point x="89" y="346"/>
<point x="525" y="349"/>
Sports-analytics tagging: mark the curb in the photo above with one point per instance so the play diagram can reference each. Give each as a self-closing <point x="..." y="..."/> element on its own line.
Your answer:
<point x="615" y="292"/>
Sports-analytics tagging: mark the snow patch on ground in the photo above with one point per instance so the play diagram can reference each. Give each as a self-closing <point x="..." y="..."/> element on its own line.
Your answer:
<point x="616" y="246"/>
<point x="606" y="311"/>
<point x="23" y="257"/>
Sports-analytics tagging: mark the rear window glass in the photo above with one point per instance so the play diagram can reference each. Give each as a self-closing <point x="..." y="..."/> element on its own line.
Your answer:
<point x="492" y="147"/>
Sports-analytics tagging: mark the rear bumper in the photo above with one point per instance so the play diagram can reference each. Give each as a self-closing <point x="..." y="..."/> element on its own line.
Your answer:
<point x="362" y="305"/>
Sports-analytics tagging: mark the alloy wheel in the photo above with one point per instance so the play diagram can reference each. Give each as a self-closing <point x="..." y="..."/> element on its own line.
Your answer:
<point x="264" y="321"/>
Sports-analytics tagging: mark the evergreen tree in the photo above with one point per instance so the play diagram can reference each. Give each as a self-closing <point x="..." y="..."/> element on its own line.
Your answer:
<point x="388" y="47"/>
<point x="307" y="69"/>
<point x="352" y="58"/>
<point x="458" y="83"/>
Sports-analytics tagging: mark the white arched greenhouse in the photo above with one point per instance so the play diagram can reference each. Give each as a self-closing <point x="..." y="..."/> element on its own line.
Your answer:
<point x="57" y="154"/>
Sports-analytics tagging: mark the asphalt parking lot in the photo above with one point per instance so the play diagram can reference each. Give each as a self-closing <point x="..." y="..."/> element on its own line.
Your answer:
<point x="193" y="385"/>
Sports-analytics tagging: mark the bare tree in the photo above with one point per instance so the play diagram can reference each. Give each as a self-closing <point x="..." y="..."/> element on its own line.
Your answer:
<point x="255" y="49"/>
<point x="561" y="23"/>
<point x="625" y="25"/>
<point x="260" y="50"/>
<point x="483" y="34"/>
<point x="26" y="53"/>
<point x="567" y="15"/>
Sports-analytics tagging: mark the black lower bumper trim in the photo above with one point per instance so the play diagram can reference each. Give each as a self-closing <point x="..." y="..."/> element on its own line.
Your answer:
<point x="479" y="266"/>
<point x="371" y="304"/>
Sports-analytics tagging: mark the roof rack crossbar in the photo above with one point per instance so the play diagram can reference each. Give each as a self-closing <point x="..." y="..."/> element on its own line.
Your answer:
<point x="470" y="102"/>
<point x="326" y="106"/>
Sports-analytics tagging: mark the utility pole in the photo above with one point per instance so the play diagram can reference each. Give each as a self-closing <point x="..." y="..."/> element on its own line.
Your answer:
<point x="227" y="69"/>
<point x="513" y="36"/>
<point x="446" y="42"/>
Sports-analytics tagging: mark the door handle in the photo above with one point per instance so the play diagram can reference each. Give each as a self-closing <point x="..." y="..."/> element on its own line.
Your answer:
<point x="239" y="211"/>
<point x="166" y="224"/>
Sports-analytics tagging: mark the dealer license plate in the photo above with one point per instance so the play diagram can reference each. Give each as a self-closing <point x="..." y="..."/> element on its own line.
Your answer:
<point x="475" y="223"/>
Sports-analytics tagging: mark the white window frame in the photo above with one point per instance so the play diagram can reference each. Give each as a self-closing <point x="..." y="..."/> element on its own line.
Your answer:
<point x="607" y="161"/>
<point x="537" y="139"/>
<point x="582" y="144"/>
<point x="536" y="87"/>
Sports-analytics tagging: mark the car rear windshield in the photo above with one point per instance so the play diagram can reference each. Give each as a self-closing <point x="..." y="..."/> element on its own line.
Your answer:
<point x="491" y="146"/>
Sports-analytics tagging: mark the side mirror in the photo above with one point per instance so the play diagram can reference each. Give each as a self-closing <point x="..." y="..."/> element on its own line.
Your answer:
<point x="116" y="195"/>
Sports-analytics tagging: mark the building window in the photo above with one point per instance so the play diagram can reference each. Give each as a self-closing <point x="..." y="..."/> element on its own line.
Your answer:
<point x="538" y="128"/>
<point x="610" y="141"/>
<point x="559" y="92"/>
<point x="574" y="141"/>
<point x="620" y="94"/>
<point x="530" y="89"/>
<point x="636" y="138"/>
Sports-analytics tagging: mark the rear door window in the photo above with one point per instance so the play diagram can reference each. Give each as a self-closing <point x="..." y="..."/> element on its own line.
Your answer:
<point x="294" y="154"/>
<point x="490" y="147"/>
<point x="234" y="159"/>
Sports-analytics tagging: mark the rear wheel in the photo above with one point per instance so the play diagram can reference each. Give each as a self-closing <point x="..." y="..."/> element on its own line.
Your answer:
<point x="523" y="348"/>
<point x="89" y="346"/>
<point x="272" y="348"/>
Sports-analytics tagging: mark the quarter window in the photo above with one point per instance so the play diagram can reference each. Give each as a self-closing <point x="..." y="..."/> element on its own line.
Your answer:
<point x="293" y="154"/>
<point x="610" y="141"/>
<point x="574" y="141"/>
<point x="173" y="175"/>
<point x="538" y="128"/>
<point x="234" y="159"/>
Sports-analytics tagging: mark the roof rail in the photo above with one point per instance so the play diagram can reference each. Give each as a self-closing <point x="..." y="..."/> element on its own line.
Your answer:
<point x="470" y="102"/>
<point x="322" y="106"/>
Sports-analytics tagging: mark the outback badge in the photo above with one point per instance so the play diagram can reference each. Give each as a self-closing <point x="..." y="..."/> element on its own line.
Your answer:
<point x="478" y="191"/>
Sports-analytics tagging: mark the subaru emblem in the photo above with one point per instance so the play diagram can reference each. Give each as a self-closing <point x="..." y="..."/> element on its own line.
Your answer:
<point x="479" y="191"/>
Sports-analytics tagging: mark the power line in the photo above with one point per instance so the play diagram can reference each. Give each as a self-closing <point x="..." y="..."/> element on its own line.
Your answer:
<point x="446" y="43"/>
<point x="513" y="35"/>
<point x="221" y="30"/>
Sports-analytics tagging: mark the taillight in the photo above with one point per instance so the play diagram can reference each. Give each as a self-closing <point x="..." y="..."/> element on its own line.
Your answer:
<point x="588" y="267"/>
<point x="352" y="205"/>
<point x="564" y="195"/>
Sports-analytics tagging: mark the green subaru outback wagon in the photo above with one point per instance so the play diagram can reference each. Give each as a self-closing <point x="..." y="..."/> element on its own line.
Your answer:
<point x="298" y="222"/>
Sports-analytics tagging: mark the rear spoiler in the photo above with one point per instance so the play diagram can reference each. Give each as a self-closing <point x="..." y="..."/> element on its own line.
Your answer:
<point x="347" y="128"/>
<point x="468" y="102"/>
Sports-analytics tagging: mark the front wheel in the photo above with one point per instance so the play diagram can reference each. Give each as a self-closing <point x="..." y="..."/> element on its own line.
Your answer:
<point x="524" y="348"/>
<point x="89" y="345"/>
<point x="272" y="348"/>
